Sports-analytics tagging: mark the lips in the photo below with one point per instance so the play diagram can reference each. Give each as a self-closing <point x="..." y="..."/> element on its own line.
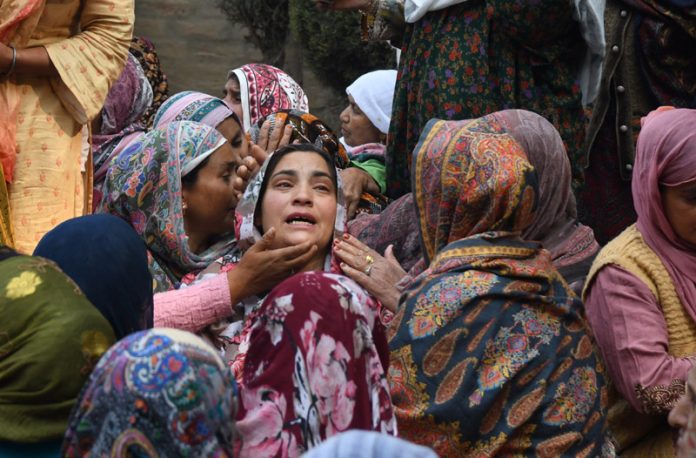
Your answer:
<point x="304" y="219"/>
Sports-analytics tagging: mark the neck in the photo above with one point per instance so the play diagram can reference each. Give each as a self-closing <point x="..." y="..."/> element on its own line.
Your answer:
<point x="316" y="263"/>
<point x="197" y="244"/>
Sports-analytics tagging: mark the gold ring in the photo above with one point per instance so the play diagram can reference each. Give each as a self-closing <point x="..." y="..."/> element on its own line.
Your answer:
<point x="369" y="260"/>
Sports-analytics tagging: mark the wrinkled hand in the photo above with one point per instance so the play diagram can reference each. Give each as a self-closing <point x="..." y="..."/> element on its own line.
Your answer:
<point x="270" y="141"/>
<point x="262" y="268"/>
<point x="383" y="276"/>
<point x="355" y="181"/>
<point x="341" y="4"/>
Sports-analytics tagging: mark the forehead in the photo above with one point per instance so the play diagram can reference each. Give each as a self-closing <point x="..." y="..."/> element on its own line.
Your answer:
<point x="222" y="155"/>
<point x="303" y="161"/>
<point x="232" y="84"/>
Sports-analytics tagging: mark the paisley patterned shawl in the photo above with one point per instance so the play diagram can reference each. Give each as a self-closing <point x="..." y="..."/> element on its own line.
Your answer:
<point x="143" y="186"/>
<point x="161" y="392"/>
<point x="489" y="353"/>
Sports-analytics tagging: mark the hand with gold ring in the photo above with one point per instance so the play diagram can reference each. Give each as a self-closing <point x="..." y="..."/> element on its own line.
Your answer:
<point x="376" y="273"/>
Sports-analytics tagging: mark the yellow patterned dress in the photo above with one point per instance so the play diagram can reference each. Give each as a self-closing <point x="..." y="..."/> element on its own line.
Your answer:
<point x="87" y="42"/>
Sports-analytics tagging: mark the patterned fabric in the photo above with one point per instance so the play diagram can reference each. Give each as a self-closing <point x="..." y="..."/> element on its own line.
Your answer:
<point x="307" y="128"/>
<point x="475" y="58"/>
<point x="316" y="367"/>
<point x="121" y="119"/>
<point x="128" y="99"/>
<point x="556" y="226"/>
<point x="87" y="42"/>
<point x="143" y="186"/>
<point x="143" y="50"/>
<point x="666" y="33"/>
<point x="395" y="225"/>
<point x="489" y="353"/>
<point x="51" y="339"/>
<point x="193" y="106"/>
<point x="103" y="254"/>
<point x="266" y="89"/>
<point x="161" y="392"/>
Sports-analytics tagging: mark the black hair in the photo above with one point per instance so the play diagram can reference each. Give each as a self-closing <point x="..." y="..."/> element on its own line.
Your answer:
<point x="284" y="151"/>
<point x="190" y="178"/>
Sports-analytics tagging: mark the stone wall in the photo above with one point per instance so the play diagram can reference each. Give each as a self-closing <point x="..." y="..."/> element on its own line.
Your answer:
<point x="198" y="46"/>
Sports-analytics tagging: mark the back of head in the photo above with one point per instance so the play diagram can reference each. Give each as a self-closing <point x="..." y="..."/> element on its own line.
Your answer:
<point x="192" y="106"/>
<point x="545" y="150"/>
<point x="470" y="177"/>
<point x="52" y="337"/>
<point x="108" y="261"/>
<point x="161" y="392"/>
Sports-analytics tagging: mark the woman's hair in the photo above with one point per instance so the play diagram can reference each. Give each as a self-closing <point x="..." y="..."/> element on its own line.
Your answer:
<point x="190" y="178"/>
<point x="284" y="151"/>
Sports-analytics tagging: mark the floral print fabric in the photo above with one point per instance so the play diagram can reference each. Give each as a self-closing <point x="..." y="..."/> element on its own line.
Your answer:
<point x="475" y="58"/>
<point x="161" y="392"/>
<point x="316" y="367"/>
<point x="489" y="351"/>
<point x="143" y="186"/>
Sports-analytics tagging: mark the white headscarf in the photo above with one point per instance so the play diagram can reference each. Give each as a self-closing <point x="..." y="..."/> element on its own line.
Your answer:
<point x="374" y="92"/>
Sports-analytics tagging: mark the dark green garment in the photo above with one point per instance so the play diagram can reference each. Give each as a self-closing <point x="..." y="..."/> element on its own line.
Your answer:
<point x="478" y="57"/>
<point x="51" y="337"/>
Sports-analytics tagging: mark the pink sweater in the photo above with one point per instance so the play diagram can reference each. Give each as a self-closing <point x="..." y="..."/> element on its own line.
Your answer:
<point x="194" y="307"/>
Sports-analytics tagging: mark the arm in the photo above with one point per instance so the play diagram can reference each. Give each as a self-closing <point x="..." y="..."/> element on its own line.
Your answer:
<point x="89" y="62"/>
<point x="631" y="332"/>
<point x="195" y="307"/>
<point x="28" y="61"/>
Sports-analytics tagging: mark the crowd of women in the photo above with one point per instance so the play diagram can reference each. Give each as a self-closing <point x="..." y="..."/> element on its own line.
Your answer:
<point x="187" y="275"/>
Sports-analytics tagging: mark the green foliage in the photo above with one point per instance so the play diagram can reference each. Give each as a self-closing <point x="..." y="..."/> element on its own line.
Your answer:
<point x="332" y="45"/>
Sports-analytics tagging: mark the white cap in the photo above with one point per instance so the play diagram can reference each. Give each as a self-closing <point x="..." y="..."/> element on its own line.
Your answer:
<point x="373" y="93"/>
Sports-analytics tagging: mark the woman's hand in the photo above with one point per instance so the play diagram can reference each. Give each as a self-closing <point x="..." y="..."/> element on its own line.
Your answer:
<point x="270" y="141"/>
<point x="355" y="181"/>
<point x="378" y="277"/>
<point x="250" y="165"/>
<point x="342" y="4"/>
<point x="262" y="268"/>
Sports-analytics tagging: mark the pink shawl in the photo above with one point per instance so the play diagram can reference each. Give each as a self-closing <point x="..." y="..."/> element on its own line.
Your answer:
<point x="666" y="155"/>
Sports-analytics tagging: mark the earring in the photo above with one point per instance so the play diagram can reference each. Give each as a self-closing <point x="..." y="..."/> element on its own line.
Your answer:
<point x="184" y="207"/>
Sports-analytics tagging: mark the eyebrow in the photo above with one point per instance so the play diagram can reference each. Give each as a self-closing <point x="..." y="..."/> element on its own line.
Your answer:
<point x="293" y="173"/>
<point x="229" y="165"/>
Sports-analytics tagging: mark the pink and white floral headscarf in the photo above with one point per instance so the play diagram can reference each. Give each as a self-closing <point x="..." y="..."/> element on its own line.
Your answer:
<point x="265" y="89"/>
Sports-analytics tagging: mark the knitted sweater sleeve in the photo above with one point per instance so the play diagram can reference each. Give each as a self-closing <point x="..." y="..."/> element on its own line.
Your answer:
<point x="631" y="332"/>
<point x="194" y="307"/>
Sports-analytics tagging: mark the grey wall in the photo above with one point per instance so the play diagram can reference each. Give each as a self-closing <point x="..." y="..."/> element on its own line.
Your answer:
<point x="197" y="46"/>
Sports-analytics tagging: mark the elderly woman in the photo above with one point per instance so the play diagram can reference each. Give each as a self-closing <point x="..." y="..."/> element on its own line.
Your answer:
<point x="640" y="295"/>
<point x="364" y="126"/>
<point x="489" y="353"/>
<point x="254" y="91"/>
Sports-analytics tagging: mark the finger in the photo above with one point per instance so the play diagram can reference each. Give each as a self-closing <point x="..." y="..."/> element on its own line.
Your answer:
<point x="355" y="260"/>
<point x="239" y="185"/>
<point x="287" y="135"/>
<point x="359" y="276"/>
<point x="389" y="254"/>
<point x="265" y="242"/>
<point x="355" y="243"/>
<point x="352" y="208"/>
<point x="259" y="154"/>
<point x="345" y="245"/>
<point x="276" y="135"/>
<point x="302" y="259"/>
<point x="243" y="172"/>
<point x="291" y="252"/>
<point x="263" y="134"/>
